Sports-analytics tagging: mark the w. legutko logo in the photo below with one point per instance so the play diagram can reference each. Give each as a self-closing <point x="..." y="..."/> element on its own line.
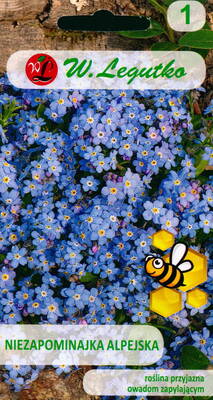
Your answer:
<point x="41" y="69"/>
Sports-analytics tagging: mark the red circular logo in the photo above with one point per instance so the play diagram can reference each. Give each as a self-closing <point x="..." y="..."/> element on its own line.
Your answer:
<point x="41" y="69"/>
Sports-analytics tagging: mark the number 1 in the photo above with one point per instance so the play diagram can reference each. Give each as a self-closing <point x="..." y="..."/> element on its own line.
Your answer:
<point x="186" y="9"/>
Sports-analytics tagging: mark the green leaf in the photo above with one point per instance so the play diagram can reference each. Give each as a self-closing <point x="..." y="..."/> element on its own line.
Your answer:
<point x="201" y="167"/>
<point x="41" y="58"/>
<point x="155" y="29"/>
<point x="88" y="277"/>
<point x="202" y="52"/>
<point x="202" y="39"/>
<point x="120" y="317"/>
<point x="27" y="199"/>
<point x="197" y="121"/>
<point x="176" y="398"/>
<point x="165" y="46"/>
<point x="192" y="358"/>
<point x="202" y="398"/>
<point x="2" y="257"/>
<point x="40" y="110"/>
<point x="207" y="26"/>
<point x="168" y="2"/>
<point x="167" y="328"/>
<point x="190" y="398"/>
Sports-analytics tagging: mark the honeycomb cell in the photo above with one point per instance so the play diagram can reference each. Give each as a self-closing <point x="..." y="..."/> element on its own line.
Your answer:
<point x="197" y="298"/>
<point x="163" y="240"/>
<point x="165" y="301"/>
<point x="198" y="274"/>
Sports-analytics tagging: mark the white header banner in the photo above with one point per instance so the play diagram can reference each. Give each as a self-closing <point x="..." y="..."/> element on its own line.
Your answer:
<point x="41" y="69"/>
<point x="80" y="344"/>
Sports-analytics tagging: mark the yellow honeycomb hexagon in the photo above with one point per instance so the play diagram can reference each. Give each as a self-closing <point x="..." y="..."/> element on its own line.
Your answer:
<point x="198" y="274"/>
<point x="197" y="298"/>
<point x="165" y="301"/>
<point x="163" y="240"/>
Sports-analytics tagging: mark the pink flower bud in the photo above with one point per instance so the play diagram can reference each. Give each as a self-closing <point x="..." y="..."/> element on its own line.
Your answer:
<point x="95" y="249"/>
<point x="82" y="322"/>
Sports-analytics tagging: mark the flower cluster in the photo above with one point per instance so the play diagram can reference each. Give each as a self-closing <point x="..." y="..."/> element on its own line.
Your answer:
<point x="86" y="178"/>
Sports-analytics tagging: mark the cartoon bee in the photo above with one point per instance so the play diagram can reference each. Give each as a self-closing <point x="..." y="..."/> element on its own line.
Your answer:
<point x="170" y="274"/>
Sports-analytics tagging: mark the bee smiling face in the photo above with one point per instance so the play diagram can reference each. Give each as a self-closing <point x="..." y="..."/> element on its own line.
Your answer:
<point x="154" y="266"/>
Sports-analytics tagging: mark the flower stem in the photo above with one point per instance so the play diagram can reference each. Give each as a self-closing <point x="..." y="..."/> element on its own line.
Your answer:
<point x="163" y="10"/>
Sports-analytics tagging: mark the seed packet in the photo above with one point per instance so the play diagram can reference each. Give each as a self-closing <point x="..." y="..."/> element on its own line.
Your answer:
<point x="105" y="199"/>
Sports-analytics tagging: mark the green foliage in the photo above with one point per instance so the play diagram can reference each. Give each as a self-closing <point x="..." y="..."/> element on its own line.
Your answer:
<point x="2" y="257"/>
<point x="8" y="112"/>
<point x="169" y="2"/>
<point x="189" y="398"/>
<point x="202" y="39"/>
<point x="202" y="52"/>
<point x="40" y="110"/>
<point x="201" y="124"/>
<point x="89" y="277"/>
<point x="120" y="317"/>
<point x="164" y="327"/>
<point x="192" y="398"/>
<point x="165" y="46"/>
<point x="201" y="167"/>
<point x="192" y="358"/>
<point x="155" y="29"/>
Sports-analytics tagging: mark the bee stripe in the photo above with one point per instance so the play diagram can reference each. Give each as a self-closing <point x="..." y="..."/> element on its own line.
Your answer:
<point x="166" y="267"/>
<point x="177" y="281"/>
<point x="170" y="276"/>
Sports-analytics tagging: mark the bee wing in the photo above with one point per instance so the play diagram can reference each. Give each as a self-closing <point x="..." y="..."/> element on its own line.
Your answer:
<point x="178" y="253"/>
<point x="185" y="266"/>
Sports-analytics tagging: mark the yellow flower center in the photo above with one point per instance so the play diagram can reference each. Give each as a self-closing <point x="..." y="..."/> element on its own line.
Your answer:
<point x="6" y="179"/>
<point x="130" y="234"/>
<point x="5" y="277"/>
<point x="51" y="308"/>
<point x="101" y="232"/>
<point x="17" y="256"/>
